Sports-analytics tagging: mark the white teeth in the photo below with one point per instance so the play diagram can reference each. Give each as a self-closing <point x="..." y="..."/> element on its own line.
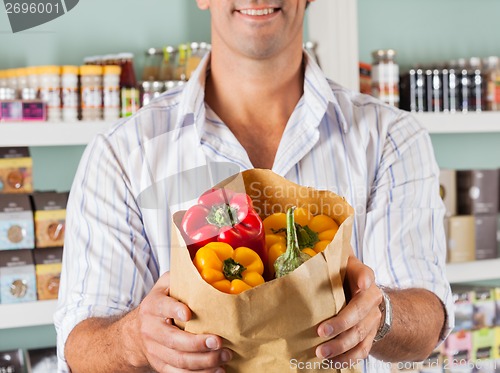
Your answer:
<point x="257" y="12"/>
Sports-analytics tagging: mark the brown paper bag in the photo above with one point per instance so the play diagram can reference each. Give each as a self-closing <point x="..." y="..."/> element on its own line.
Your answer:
<point x="273" y="327"/>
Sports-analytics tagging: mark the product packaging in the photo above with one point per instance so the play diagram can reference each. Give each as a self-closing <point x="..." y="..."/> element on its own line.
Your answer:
<point x="448" y="190"/>
<point x="461" y="239"/>
<point x="483" y="343"/>
<point x="464" y="308"/>
<point x="48" y="264"/>
<point x="486" y="236"/>
<point x="497" y="343"/>
<point x="23" y="110"/>
<point x="16" y="222"/>
<point x="50" y="217"/>
<point x="273" y="325"/>
<point x="42" y="360"/>
<point x="497" y="302"/>
<point x="477" y="192"/>
<point x="12" y="361"/>
<point x="15" y="170"/>
<point x="484" y="307"/>
<point x="17" y="277"/>
<point x="458" y="349"/>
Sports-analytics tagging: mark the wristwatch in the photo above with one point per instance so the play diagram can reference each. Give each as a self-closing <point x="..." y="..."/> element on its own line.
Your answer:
<point x="386" y="321"/>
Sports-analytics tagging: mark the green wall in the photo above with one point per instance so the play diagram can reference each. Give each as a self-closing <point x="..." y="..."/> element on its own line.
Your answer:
<point x="430" y="31"/>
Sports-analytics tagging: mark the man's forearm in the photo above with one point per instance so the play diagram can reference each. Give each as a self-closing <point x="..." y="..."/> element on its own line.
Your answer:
<point x="109" y="345"/>
<point x="418" y="319"/>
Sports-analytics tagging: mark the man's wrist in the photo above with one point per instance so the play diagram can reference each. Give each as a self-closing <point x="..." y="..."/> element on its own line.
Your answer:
<point x="386" y="317"/>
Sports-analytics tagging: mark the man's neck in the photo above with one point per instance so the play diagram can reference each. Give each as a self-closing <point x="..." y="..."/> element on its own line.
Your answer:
<point x="255" y="99"/>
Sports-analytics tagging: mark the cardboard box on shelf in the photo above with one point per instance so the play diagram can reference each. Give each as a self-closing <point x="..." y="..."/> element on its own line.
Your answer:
<point x="42" y="360"/>
<point x="461" y="239"/>
<point x="464" y="308"/>
<point x="486" y="236"/>
<point x="16" y="170"/>
<point x="448" y="190"/>
<point x="12" y="361"/>
<point x="458" y="349"/>
<point x="49" y="210"/>
<point x="17" y="276"/>
<point x="48" y="264"/>
<point x="16" y="222"/>
<point x="477" y="191"/>
<point x="483" y="343"/>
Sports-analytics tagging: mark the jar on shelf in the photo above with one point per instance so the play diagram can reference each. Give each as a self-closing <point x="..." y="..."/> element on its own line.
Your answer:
<point x="129" y="93"/>
<point x="181" y="65"/>
<point x="50" y="90"/>
<point x="490" y="70"/>
<point x="167" y="68"/>
<point x="111" y="92"/>
<point x="151" y="90"/>
<point x="69" y="89"/>
<point x="91" y="92"/>
<point x="385" y="76"/>
<point x="152" y="63"/>
<point x="3" y="79"/>
<point x="11" y="75"/>
<point x="24" y="91"/>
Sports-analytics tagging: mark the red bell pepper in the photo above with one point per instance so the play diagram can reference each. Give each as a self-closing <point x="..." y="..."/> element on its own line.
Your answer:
<point x="225" y="216"/>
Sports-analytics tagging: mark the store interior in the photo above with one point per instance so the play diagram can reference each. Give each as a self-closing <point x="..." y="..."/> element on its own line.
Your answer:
<point x="423" y="32"/>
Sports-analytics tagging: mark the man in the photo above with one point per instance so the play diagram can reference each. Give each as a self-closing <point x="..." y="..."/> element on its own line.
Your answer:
<point x="256" y="101"/>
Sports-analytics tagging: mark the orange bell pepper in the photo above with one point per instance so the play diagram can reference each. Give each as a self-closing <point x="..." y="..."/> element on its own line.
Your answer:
<point x="229" y="270"/>
<point x="314" y="232"/>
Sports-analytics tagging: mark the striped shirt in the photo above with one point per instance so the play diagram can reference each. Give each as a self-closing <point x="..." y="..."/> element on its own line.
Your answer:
<point x="131" y="178"/>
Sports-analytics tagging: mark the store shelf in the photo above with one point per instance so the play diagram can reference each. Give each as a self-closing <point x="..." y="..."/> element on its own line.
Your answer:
<point x="49" y="134"/>
<point x="27" y="314"/>
<point x="479" y="270"/>
<point x="460" y="122"/>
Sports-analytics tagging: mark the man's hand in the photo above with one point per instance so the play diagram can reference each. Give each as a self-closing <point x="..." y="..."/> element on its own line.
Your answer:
<point x="144" y="339"/>
<point x="355" y="326"/>
<point x="165" y="347"/>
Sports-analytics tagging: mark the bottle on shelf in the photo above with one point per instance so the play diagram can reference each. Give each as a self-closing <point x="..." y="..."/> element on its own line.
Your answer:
<point x="69" y="89"/>
<point x="49" y="80"/>
<point x="91" y="92"/>
<point x="111" y="92"/>
<point x="151" y="71"/>
<point x="129" y="93"/>
<point x="385" y="76"/>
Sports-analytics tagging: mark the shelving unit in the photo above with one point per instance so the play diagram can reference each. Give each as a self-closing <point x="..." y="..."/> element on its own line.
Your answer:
<point x="452" y="123"/>
<point x="49" y="134"/>
<point x="27" y="314"/>
<point x="479" y="270"/>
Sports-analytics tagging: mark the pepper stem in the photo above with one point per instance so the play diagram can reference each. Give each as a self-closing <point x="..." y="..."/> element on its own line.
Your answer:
<point x="292" y="244"/>
<point x="232" y="269"/>
<point x="222" y="216"/>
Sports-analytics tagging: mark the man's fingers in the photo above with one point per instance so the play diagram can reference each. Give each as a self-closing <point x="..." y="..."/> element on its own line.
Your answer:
<point x="359" y="276"/>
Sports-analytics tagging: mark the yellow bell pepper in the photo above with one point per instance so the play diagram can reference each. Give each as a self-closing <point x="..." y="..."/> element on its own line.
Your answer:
<point x="229" y="270"/>
<point x="315" y="232"/>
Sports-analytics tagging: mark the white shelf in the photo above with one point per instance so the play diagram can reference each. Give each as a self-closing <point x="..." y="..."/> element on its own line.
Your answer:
<point x="479" y="270"/>
<point x="49" y="134"/>
<point x="27" y="314"/>
<point x="460" y="122"/>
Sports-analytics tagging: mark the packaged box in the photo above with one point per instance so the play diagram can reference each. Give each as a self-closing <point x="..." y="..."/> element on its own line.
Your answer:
<point x="17" y="276"/>
<point x="49" y="210"/>
<point x="23" y="110"/>
<point x="497" y="302"/>
<point x="483" y="343"/>
<point x="16" y="170"/>
<point x="486" y="236"/>
<point x="462" y="239"/>
<point x="16" y="222"/>
<point x="48" y="263"/>
<point x="434" y="363"/>
<point x="458" y="349"/>
<point x="496" y="352"/>
<point x="477" y="192"/>
<point x="42" y="360"/>
<point x="12" y="361"/>
<point x="448" y="190"/>
<point x="484" y="307"/>
<point x="464" y="308"/>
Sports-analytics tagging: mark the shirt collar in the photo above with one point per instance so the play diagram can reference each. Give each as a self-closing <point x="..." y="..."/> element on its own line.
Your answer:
<point x="318" y="94"/>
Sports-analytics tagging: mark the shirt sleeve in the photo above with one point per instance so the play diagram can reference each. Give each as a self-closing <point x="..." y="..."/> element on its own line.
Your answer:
<point x="404" y="239"/>
<point x="106" y="255"/>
